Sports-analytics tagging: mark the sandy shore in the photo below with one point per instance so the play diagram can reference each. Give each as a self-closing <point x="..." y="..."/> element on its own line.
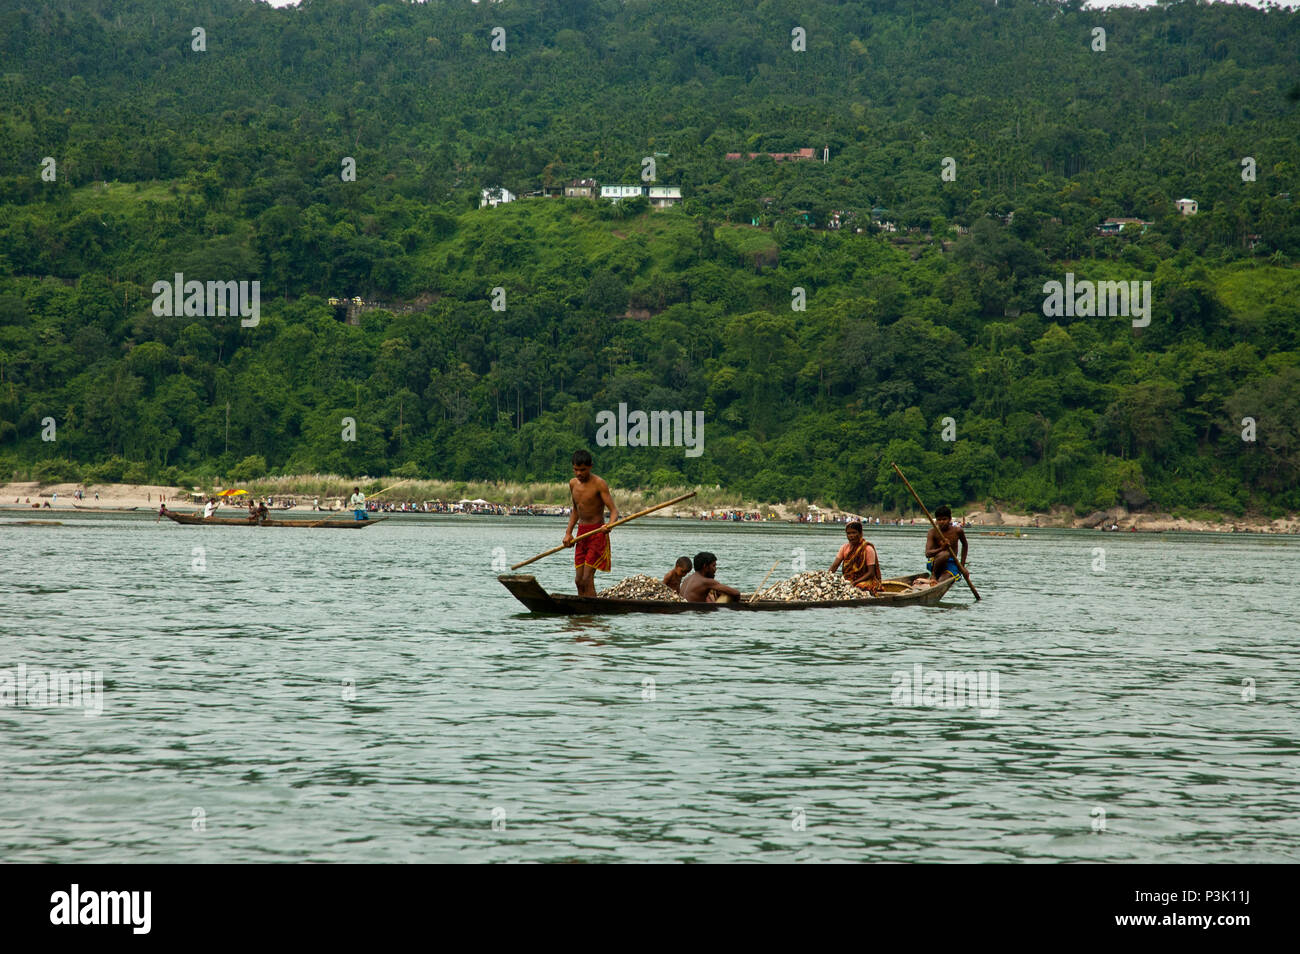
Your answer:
<point x="147" y="496"/>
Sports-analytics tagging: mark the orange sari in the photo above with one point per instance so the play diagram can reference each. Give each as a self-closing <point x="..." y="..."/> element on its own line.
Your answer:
<point x="862" y="567"/>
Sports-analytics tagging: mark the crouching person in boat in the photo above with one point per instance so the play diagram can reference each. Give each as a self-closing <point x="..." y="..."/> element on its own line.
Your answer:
<point x="937" y="558"/>
<point x="701" y="587"/>
<point x="673" y="578"/>
<point x="860" y="561"/>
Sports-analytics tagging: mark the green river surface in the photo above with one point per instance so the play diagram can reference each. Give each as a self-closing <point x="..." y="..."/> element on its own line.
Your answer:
<point x="378" y="696"/>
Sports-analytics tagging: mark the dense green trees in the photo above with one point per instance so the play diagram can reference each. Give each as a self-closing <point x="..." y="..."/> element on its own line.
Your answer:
<point x="227" y="164"/>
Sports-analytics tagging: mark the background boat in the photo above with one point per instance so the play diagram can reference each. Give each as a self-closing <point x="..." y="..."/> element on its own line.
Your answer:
<point x="327" y="524"/>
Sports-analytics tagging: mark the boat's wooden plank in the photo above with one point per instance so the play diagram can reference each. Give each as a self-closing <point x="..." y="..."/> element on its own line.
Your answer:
<point x="532" y="594"/>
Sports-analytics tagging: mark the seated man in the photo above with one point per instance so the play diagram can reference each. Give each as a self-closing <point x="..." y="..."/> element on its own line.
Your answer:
<point x="700" y="586"/>
<point x="938" y="560"/>
<point x="861" y="564"/>
<point x="673" y="579"/>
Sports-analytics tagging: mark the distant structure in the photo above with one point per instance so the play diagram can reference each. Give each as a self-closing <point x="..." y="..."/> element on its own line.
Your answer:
<point x="616" y="193"/>
<point x="495" y="196"/>
<point x="782" y="156"/>
<point x="660" y="197"/>
<point x="582" y="189"/>
<point x="1115" y="226"/>
<point x="1186" y="206"/>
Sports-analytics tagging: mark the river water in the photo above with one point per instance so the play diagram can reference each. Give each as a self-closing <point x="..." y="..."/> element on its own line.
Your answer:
<point x="375" y="696"/>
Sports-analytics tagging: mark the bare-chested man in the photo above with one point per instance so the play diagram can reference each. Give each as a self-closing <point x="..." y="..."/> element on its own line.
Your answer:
<point x="590" y="498"/>
<point x="937" y="559"/>
<point x="700" y="586"/>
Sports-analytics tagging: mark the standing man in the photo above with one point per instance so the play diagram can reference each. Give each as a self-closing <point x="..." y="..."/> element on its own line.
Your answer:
<point x="358" y="504"/>
<point x="590" y="498"/>
<point x="937" y="559"/>
<point x="861" y="564"/>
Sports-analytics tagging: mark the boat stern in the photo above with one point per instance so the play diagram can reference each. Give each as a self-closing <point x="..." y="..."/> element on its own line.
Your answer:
<point x="525" y="588"/>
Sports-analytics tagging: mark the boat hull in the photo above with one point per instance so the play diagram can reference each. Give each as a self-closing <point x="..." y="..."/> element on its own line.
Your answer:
<point x="533" y="595"/>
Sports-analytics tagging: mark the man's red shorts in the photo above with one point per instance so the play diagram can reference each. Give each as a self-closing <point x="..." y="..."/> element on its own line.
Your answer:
<point x="593" y="551"/>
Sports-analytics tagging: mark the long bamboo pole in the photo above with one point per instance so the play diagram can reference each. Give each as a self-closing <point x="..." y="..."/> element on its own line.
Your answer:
<point x="606" y="527"/>
<point x="754" y="595"/>
<point x="951" y="551"/>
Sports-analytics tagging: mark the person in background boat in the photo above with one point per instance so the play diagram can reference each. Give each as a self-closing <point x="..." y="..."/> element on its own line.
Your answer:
<point x="673" y="579"/>
<point x="701" y="586"/>
<point x="358" y="503"/>
<point x="937" y="559"/>
<point x="590" y="498"/>
<point x="861" y="563"/>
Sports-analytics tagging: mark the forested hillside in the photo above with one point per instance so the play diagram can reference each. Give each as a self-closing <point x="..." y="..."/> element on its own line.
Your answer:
<point x="144" y="138"/>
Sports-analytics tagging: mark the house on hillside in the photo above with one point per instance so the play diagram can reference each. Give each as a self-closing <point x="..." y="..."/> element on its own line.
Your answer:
<point x="494" y="196"/>
<point x="661" y="197"/>
<point x="581" y="189"/>
<point x="1186" y="206"/>
<point x="777" y="156"/>
<point x="1115" y="226"/>
<point x="616" y="193"/>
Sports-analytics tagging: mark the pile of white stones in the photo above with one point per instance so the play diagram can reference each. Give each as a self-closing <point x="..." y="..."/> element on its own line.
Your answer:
<point x="640" y="587"/>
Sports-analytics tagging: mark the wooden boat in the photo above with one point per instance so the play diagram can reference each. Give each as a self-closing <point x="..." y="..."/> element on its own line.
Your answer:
<point x="528" y="591"/>
<point x="196" y="520"/>
<point x="106" y="509"/>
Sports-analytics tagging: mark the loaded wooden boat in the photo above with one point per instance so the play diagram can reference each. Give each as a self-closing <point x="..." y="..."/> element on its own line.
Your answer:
<point x="528" y="591"/>
<point x="328" y="524"/>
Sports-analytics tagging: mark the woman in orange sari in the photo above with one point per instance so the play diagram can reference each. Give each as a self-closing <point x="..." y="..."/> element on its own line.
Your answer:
<point x="861" y="564"/>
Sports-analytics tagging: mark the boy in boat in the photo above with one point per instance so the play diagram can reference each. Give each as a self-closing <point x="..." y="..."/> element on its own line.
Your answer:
<point x="674" y="577"/>
<point x="861" y="564"/>
<point x="590" y="498"/>
<point x="700" y="586"/>
<point x="937" y="559"/>
<point x="209" y="508"/>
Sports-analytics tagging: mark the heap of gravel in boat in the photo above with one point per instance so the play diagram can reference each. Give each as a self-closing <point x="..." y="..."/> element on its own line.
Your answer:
<point x="641" y="587"/>
<point x="813" y="586"/>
